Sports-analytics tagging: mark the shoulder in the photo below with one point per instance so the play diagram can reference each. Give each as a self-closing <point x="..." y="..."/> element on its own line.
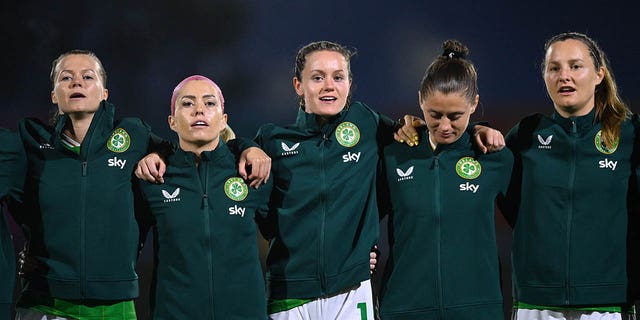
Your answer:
<point x="133" y="123"/>
<point x="362" y="109"/>
<point x="34" y="129"/>
<point x="504" y="156"/>
<point x="10" y="142"/>
<point x="522" y="132"/>
<point x="530" y="122"/>
<point x="267" y="129"/>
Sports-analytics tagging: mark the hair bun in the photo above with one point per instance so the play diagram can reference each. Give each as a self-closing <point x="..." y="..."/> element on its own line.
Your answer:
<point x="454" y="49"/>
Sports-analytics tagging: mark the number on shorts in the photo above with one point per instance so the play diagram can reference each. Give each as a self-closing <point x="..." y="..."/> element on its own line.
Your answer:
<point x="363" y="310"/>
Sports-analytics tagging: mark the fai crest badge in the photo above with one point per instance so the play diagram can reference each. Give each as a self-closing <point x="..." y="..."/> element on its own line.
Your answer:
<point x="600" y="144"/>
<point x="468" y="168"/>
<point x="347" y="134"/>
<point x="236" y="189"/>
<point x="119" y="141"/>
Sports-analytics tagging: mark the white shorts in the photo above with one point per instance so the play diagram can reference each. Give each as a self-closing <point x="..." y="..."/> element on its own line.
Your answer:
<point x="532" y="314"/>
<point x="355" y="304"/>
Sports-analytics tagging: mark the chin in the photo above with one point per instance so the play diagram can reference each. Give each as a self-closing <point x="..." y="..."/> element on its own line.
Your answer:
<point x="328" y="112"/>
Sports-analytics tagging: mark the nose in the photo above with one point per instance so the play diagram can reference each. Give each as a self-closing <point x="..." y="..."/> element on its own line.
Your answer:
<point x="329" y="84"/>
<point x="564" y="74"/>
<point x="199" y="108"/>
<point x="76" y="82"/>
<point x="445" y="124"/>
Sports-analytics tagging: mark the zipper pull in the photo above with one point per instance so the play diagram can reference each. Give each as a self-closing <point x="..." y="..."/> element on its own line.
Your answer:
<point x="205" y="203"/>
<point x="84" y="168"/>
<point x="574" y="129"/>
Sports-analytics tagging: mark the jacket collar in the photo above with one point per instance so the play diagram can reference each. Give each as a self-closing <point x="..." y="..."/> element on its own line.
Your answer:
<point x="310" y="121"/>
<point x="100" y="128"/>
<point x="183" y="158"/>
<point x="462" y="143"/>
<point x="582" y="123"/>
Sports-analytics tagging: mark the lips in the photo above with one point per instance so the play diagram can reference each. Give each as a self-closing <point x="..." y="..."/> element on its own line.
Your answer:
<point x="328" y="99"/>
<point x="199" y="123"/>
<point x="77" y="95"/>
<point x="566" y="89"/>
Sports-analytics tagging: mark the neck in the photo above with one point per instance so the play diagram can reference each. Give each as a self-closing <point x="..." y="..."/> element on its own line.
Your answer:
<point x="568" y="112"/>
<point x="78" y="126"/>
<point x="432" y="143"/>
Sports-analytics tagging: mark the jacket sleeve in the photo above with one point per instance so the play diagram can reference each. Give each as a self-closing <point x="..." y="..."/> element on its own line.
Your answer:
<point x="633" y="246"/>
<point x="160" y="146"/>
<point x="142" y="212"/>
<point x="386" y="129"/>
<point x="12" y="174"/>
<point x="382" y="191"/>
<point x="509" y="202"/>
<point x="238" y="145"/>
<point x="13" y="165"/>
<point x="635" y="158"/>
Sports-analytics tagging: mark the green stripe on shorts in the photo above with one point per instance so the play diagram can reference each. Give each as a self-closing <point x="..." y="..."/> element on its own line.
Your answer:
<point x="523" y="305"/>
<point x="275" y="306"/>
<point x="89" y="309"/>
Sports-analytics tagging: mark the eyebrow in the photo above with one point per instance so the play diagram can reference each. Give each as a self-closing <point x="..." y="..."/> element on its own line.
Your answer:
<point x="83" y="70"/>
<point x="206" y="96"/>
<point x="570" y="61"/>
<point x="322" y="71"/>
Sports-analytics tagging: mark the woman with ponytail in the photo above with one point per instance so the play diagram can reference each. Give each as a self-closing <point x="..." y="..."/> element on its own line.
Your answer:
<point x="568" y="201"/>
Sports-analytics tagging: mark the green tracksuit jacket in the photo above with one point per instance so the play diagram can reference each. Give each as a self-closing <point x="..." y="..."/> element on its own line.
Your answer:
<point x="569" y="196"/>
<point x="206" y="254"/>
<point x="323" y="216"/>
<point x="443" y="261"/>
<point x="78" y="212"/>
<point x="12" y="172"/>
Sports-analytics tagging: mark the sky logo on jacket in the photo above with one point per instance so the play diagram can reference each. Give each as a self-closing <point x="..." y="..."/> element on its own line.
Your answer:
<point x="545" y="143"/>
<point x="236" y="210"/>
<point x="171" y="197"/>
<point x="351" y="156"/>
<point x="115" y="162"/>
<point x="289" y="150"/>
<point x="405" y="175"/>
<point x="347" y="134"/>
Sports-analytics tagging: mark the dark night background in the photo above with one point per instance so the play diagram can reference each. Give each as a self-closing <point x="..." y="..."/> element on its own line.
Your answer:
<point x="248" y="48"/>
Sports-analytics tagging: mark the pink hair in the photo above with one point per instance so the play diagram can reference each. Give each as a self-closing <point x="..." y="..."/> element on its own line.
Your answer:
<point x="177" y="89"/>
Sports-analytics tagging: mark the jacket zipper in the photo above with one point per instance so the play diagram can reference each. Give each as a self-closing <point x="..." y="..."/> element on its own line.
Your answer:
<point x="204" y="169"/>
<point x="323" y="200"/>
<point x="83" y="214"/>
<point x="572" y="176"/>
<point x="83" y="206"/>
<point x="438" y="212"/>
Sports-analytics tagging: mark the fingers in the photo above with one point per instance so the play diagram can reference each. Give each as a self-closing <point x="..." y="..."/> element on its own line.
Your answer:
<point x="162" y="168"/>
<point x="494" y="140"/>
<point x="143" y="172"/>
<point x="260" y="171"/>
<point x="255" y="166"/>
<point x="479" y="143"/>
<point x="151" y="168"/>
<point x="373" y="259"/>
<point x="242" y="167"/>
<point x="407" y="133"/>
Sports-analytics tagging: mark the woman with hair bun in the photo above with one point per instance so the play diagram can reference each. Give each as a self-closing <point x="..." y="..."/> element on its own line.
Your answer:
<point x="443" y="261"/>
